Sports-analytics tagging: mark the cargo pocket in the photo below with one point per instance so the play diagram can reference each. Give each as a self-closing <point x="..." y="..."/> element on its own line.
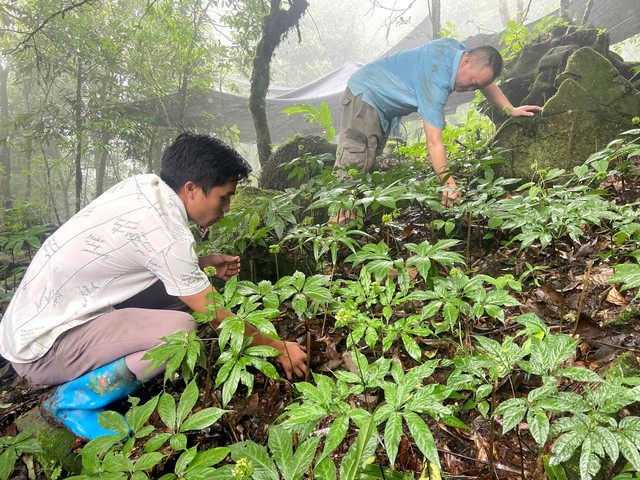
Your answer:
<point x="354" y="150"/>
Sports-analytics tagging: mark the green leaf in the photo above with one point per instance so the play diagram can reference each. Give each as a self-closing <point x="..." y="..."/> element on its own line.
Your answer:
<point x="178" y="442"/>
<point x="148" y="460"/>
<point x="608" y="441"/>
<point x="167" y="410"/>
<point x="629" y="449"/>
<point x="513" y="411"/>
<point x="325" y="469"/>
<point x="627" y="274"/>
<point x="579" y="374"/>
<point x="155" y="442"/>
<point x="336" y="434"/>
<point x="7" y="462"/>
<point x="137" y="416"/>
<point x="538" y="425"/>
<point x="188" y="400"/>
<point x="117" y="463"/>
<point x="422" y="436"/>
<point x="392" y="436"/>
<point x="281" y="446"/>
<point x="303" y="457"/>
<point x="114" y="422"/>
<point x="565" y="446"/>
<point x="257" y="454"/>
<point x="202" y="419"/>
<point x="412" y="347"/>
<point x="185" y="459"/>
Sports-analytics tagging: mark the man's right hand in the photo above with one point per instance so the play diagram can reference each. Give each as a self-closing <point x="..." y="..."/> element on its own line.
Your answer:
<point x="450" y="197"/>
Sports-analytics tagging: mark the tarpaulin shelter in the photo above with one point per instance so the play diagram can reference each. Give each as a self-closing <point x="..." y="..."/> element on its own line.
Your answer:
<point x="620" y="18"/>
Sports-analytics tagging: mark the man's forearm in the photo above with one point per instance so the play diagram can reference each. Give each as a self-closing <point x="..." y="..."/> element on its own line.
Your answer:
<point x="494" y="94"/>
<point x="438" y="157"/>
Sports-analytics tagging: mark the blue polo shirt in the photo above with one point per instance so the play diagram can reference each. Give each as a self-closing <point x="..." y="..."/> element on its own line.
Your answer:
<point x="416" y="80"/>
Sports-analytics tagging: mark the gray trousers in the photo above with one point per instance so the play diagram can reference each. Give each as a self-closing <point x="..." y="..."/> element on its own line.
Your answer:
<point x="136" y="326"/>
<point x="361" y="137"/>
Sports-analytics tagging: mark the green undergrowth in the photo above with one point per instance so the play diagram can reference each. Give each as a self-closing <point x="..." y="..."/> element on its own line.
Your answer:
<point x="433" y="343"/>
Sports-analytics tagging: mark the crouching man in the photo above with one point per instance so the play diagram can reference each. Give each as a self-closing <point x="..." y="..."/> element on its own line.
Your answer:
<point x="120" y="275"/>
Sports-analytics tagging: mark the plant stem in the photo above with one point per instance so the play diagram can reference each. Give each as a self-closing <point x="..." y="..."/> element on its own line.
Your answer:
<point x="492" y="428"/>
<point x="585" y="285"/>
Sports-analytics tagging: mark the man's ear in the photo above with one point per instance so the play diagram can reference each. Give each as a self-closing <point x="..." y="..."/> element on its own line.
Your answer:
<point x="189" y="188"/>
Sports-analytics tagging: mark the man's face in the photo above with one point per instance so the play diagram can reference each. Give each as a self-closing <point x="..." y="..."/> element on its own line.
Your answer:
<point x="207" y="209"/>
<point x="471" y="77"/>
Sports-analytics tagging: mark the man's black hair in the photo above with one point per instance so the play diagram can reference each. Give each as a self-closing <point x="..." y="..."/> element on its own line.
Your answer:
<point x="488" y="56"/>
<point x="204" y="160"/>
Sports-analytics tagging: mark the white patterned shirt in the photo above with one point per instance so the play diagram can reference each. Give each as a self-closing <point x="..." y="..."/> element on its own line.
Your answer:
<point x="134" y="234"/>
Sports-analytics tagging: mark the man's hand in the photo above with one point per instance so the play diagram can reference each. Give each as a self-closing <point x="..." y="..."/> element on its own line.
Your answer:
<point x="226" y="265"/>
<point x="450" y="197"/>
<point x="293" y="359"/>
<point x="525" y="110"/>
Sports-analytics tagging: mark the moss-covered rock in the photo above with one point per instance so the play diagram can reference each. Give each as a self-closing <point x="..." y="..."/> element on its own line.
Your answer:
<point x="59" y="445"/>
<point x="273" y="174"/>
<point x="592" y="105"/>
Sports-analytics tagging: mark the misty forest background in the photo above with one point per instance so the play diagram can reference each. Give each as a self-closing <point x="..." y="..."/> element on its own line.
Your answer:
<point x="71" y="75"/>
<point x="495" y="338"/>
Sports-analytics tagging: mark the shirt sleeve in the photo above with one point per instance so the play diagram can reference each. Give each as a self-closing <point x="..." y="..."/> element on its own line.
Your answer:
<point x="178" y="269"/>
<point x="432" y="99"/>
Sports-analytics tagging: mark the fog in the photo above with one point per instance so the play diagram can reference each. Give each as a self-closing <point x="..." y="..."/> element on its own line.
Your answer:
<point x="334" y="32"/>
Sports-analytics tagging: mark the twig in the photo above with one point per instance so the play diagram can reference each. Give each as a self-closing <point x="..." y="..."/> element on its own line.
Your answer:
<point x="585" y="285"/>
<point x="43" y="24"/>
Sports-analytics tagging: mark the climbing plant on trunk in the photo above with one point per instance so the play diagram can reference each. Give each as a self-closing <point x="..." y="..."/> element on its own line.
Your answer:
<point x="275" y="27"/>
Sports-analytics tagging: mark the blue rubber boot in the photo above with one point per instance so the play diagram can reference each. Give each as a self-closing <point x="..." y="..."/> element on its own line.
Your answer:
<point x="77" y="404"/>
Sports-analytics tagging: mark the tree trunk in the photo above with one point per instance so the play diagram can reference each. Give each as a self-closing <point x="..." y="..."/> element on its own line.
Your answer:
<point x="5" y="153"/>
<point x="274" y="29"/>
<point x="565" y="11"/>
<point x="503" y="10"/>
<point x="101" y="161"/>
<point x="436" y="18"/>
<point x="587" y="12"/>
<point x="79" y="134"/>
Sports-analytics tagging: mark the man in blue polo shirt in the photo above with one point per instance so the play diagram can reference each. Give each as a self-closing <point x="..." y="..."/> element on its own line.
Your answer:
<point x="416" y="80"/>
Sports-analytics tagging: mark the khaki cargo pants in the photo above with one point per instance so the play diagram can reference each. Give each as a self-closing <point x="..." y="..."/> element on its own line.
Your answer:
<point x="361" y="137"/>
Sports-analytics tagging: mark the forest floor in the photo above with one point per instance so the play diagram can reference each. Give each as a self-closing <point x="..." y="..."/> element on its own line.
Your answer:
<point x="567" y="288"/>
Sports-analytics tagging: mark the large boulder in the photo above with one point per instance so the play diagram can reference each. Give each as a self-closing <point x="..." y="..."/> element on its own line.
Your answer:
<point x="274" y="175"/>
<point x="591" y="106"/>
<point x="530" y="78"/>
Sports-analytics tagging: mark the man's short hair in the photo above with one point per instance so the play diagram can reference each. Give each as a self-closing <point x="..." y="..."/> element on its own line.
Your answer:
<point x="488" y="56"/>
<point x="204" y="160"/>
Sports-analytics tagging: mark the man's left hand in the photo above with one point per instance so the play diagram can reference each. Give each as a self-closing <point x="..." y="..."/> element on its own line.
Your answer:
<point x="226" y="265"/>
<point x="525" y="111"/>
<point x="293" y="360"/>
